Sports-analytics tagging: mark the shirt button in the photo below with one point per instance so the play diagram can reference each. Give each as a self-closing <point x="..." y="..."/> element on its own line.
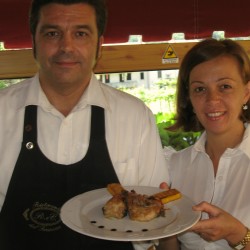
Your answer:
<point x="220" y="178"/>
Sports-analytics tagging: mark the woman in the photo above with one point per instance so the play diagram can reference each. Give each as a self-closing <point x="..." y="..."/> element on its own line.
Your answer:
<point x="213" y="96"/>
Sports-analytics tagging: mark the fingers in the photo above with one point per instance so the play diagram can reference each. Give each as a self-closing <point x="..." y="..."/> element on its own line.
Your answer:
<point x="219" y="224"/>
<point x="200" y="226"/>
<point x="164" y="185"/>
<point x="205" y="236"/>
<point x="212" y="212"/>
<point x="208" y="208"/>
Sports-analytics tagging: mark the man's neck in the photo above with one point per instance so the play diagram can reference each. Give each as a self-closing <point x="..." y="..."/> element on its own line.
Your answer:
<point x="64" y="99"/>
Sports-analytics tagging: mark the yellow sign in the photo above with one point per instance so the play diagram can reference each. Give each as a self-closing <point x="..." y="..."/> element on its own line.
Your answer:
<point x="170" y="56"/>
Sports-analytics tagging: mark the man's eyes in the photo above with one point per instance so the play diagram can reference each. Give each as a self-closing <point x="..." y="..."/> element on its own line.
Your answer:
<point x="81" y="34"/>
<point x="55" y="34"/>
<point x="52" y="34"/>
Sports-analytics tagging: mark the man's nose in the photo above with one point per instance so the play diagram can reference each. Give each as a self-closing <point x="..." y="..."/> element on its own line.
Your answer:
<point x="66" y="43"/>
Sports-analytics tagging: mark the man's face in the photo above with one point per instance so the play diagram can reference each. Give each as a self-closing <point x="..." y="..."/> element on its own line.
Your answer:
<point x="66" y="43"/>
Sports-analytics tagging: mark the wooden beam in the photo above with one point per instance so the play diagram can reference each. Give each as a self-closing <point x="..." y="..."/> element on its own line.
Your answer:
<point x="115" y="58"/>
<point x="139" y="57"/>
<point x="16" y="64"/>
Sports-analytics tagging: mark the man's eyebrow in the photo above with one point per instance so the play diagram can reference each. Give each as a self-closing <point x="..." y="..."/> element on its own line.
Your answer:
<point x="84" y="26"/>
<point x="54" y="26"/>
<point x="48" y="26"/>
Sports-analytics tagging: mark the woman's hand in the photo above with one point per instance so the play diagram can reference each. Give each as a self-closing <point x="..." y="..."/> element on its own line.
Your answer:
<point x="220" y="225"/>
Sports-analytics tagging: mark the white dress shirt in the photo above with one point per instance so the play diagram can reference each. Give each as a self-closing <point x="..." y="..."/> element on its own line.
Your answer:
<point x="131" y="133"/>
<point x="191" y="171"/>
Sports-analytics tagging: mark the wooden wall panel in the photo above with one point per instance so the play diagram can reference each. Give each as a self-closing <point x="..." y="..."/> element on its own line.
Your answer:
<point x="115" y="58"/>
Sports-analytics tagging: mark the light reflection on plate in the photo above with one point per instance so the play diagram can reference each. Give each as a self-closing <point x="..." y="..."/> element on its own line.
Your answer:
<point x="83" y="214"/>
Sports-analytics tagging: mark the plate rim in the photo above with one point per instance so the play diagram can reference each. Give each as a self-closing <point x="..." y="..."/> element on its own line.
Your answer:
<point x="132" y="236"/>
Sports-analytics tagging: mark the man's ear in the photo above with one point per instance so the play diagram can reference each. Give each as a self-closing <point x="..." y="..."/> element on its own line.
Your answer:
<point x="33" y="46"/>
<point x="99" y="47"/>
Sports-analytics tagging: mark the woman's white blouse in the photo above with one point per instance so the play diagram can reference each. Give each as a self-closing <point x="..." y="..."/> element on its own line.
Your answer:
<point x="191" y="171"/>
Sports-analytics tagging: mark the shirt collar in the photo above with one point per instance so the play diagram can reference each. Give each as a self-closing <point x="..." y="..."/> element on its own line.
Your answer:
<point x="244" y="146"/>
<point x="93" y="95"/>
<point x="34" y="95"/>
<point x="27" y="93"/>
<point x="199" y="146"/>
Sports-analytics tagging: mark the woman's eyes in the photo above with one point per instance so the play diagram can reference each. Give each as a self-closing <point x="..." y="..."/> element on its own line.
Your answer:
<point x="199" y="89"/>
<point x="221" y="88"/>
<point x="226" y="86"/>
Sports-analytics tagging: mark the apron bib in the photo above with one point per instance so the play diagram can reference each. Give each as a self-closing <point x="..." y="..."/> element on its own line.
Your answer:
<point x="29" y="218"/>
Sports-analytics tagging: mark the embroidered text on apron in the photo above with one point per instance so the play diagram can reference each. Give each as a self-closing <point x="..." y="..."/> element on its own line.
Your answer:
<point x="29" y="218"/>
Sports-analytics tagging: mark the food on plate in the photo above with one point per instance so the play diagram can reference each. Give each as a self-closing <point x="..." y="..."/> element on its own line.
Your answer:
<point x="115" y="207"/>
<point x="168" y="195"/>
<point x="138" y="207"/>
<point x="115" y="188"/>
<point x="143" y="207"/>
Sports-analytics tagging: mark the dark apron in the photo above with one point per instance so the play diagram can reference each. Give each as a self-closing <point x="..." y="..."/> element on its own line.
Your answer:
<point x="29" y="218"/>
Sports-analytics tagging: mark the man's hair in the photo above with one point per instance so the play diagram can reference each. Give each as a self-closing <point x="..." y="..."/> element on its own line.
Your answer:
<point x="98" y="5"/>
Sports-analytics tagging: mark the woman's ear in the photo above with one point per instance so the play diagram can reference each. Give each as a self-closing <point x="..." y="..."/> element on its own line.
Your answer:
<point x="247" y="95"/>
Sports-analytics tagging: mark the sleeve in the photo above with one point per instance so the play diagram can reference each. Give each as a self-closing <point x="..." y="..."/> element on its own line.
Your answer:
<point x="152" y="163"/>
<point x="152" y="160"/>
<point x="168" y="152"/>
<point x="145" y="245"/>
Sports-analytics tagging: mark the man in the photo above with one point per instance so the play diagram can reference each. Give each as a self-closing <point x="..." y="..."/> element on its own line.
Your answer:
<point x="64" y="133"/>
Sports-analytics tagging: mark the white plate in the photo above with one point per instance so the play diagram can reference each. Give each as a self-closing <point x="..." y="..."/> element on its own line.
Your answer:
<point x="83" y="214"/>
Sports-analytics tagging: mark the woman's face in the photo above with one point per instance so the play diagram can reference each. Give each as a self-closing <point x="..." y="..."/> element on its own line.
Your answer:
<point x="217" y="93"/>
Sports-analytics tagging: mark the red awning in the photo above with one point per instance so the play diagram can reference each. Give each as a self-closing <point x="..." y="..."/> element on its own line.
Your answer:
<point x="155" y="20"/>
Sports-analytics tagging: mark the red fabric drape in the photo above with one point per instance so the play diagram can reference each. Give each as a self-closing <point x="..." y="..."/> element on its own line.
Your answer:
<point x="155" y="20"/>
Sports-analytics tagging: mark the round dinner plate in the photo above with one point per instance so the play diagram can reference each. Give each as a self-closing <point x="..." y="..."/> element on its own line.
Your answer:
<point x="83" y="214"/>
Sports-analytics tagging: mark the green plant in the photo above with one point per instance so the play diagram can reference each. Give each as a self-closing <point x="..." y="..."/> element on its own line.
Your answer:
<point x="3" y="84"/>
<point x="178" y="140"/>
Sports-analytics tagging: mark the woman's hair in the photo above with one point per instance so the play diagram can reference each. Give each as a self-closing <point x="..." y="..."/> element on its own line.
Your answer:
<point x="98" y="5"/>
<point x="202" y="52"/>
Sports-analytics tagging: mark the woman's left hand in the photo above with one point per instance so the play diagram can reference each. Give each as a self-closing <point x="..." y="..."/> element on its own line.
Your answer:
<point x="219" y="225"/>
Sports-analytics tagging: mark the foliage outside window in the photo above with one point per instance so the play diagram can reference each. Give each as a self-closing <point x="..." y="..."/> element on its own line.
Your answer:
<point x="160" y="96"/>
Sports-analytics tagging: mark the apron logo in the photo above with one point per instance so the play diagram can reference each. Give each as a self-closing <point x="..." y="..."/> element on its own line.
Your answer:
<point x="43" y="217"/>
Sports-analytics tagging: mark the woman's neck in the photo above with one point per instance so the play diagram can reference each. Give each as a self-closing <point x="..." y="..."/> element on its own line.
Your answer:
<point x="216" y="144"/>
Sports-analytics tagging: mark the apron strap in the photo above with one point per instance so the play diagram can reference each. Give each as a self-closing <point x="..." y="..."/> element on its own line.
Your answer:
<point x="97" y="123"/>
<point x="30" y="124"/>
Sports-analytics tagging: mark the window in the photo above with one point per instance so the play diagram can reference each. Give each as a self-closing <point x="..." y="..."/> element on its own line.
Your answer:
<point x="129" y="76"/>
<point x="121" y="77"/>
<point x="107" y="78"/>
